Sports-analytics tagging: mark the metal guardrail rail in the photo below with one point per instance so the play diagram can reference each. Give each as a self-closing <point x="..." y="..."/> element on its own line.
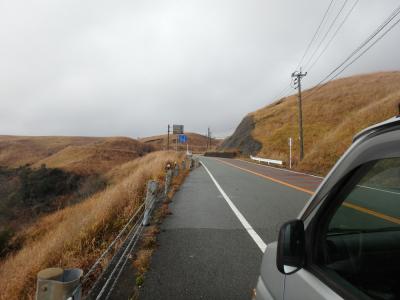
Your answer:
<point x="104" y="285"/>
<point x="266" y="160"/>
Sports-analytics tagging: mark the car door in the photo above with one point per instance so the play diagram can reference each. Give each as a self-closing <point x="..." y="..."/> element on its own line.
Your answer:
<point x="353" y="240"/>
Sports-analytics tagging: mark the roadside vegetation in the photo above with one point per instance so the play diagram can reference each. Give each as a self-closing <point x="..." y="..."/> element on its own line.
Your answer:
<point x="198" y="142"/>
<point x="74" y="236"/>
<point x="27" y="194"/>
<point x="148" y="242"/>
<point x="331" y="117"/>
<point x="80" y="155"/>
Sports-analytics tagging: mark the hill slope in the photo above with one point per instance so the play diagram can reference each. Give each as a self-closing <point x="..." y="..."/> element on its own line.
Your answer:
<point x="331" y="117"/>
<point x="197" y="142"/>
<point x="83" y="155"/>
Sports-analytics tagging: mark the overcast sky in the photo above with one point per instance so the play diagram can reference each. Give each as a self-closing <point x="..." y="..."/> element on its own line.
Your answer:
<point x="128" y="68"/>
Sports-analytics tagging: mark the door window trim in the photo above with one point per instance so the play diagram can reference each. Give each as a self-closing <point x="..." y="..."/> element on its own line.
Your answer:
<point x="315" y="233"/>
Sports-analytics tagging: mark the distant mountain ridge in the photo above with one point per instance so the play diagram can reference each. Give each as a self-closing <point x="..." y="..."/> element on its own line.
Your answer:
<point x="82" y="155"/>
<point x="197" y="142"/>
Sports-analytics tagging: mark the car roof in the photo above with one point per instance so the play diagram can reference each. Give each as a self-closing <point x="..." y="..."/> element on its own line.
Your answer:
<point x="392" y="122"/>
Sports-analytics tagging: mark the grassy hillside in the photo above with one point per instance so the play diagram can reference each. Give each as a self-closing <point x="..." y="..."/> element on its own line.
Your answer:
<point x="197" y="142"/>
<point x="82" y="155"/>
<point x="76" y="235"/>
<point x="331" y="117"/>
<point x="40" y="175"/>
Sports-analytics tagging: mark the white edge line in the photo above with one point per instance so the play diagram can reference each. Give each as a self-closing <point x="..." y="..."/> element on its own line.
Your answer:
<point x="380" y="190"/>
<point x="281" y="169"/>
<point x="257" y="239"/>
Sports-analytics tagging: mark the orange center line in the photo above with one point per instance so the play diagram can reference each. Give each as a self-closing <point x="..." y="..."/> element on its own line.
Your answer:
<point x="270" y="178"/>
<point x="347" y="204"/>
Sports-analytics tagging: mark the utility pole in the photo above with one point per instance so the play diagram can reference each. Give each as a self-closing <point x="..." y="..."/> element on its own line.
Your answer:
<point x="208" y="138"/>
<point x="168" y="138"/>
<point x="297" y="84"/>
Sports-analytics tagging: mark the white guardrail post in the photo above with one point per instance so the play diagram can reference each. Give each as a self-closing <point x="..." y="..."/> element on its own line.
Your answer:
<point x="266" y="160"/>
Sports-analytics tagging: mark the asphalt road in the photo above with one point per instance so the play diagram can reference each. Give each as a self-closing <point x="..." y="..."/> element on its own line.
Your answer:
<point x="226" y="211"/>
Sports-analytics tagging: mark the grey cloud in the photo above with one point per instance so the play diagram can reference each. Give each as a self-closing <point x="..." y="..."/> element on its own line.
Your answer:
<point x="131" y="67"/>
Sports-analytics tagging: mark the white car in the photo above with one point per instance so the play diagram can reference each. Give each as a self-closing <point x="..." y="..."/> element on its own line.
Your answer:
<point x="346" y="242"/>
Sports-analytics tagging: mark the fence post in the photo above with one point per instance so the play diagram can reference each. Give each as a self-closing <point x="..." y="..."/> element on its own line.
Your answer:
<point x="176" y="170"/>
<point x="152" y="186"/>
<point x="184" y="164"/>
<point x="57" y="283"/>
<point x="193" y="163"/>
<point x="168" y="180"/>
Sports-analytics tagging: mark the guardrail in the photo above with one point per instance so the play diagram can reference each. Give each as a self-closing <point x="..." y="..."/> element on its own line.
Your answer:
<point x="54" y="284"/>
<point x="266" y="160"/>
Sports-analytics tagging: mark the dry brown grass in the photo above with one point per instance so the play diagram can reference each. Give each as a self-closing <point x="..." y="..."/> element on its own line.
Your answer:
<point x="83" y="155"/>
<point x="197" y="142"/>
<point x="75" y="236"/>
<point x="332" y="116"/>
<point x="149" y="241"/>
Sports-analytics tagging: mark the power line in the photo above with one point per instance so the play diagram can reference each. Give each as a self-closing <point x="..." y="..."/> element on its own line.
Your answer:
<point x="334" y="35"/>
<point x="345" y="64"/>
<point x="283" y="93"/>
<point x="315" y="34"/>
<point x="379" y="29"/>
<point x="326" y="33"/>
<point x="369" y="47"/>
<point x="286" y="91"/>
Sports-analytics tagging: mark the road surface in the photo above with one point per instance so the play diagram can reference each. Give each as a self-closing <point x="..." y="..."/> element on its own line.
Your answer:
<point x="223" y="216"/>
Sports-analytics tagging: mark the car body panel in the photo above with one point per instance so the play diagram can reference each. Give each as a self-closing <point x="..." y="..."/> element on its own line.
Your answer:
<point x="376" y="142"/>
<point x="303" y="285"/>
<point x="271" y="281"/>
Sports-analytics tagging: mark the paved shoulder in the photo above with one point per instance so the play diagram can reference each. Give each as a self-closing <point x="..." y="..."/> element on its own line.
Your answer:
<point x="204" y="251"/>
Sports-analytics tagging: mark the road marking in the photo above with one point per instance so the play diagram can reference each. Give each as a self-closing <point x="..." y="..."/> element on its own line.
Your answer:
<point x="270" y="178"/>
<point x="348" y="204"/>
<point x="372" y="212"/>
<point x="257" y="239"/>
<point x="280" y="169"/>
<point x="380" y="190"/>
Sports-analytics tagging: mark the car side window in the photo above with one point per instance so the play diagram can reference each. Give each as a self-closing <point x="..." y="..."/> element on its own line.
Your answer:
<point x="361" y="244"/>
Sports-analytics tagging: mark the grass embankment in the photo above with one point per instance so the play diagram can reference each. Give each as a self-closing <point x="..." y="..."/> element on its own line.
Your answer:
<point x="148" y="241"/>
<point x="80" y="155"/>
<point x="331" y="117"/>
<point x="76" y="235"/>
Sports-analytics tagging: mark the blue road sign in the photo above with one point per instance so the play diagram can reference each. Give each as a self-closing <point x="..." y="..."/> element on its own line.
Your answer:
<point x="182" y="139"/>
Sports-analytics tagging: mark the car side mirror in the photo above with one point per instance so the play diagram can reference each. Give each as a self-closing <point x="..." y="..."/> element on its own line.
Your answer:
<point x="290" y="256"/>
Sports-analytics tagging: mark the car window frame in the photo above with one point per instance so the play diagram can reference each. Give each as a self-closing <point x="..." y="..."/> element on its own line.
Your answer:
<point x="316" y="233"/>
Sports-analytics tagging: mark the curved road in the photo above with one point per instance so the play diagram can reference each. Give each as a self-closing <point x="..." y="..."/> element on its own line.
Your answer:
<point x="223" y="216"/>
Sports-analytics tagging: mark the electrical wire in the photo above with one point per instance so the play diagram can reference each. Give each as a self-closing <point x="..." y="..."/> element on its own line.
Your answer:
<point x="351" y="59"/>
<point x="315" y="34"/>
<point x="334" y="35"/>
<point x="326" y="34"/>
<point x="376" y="32"/>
